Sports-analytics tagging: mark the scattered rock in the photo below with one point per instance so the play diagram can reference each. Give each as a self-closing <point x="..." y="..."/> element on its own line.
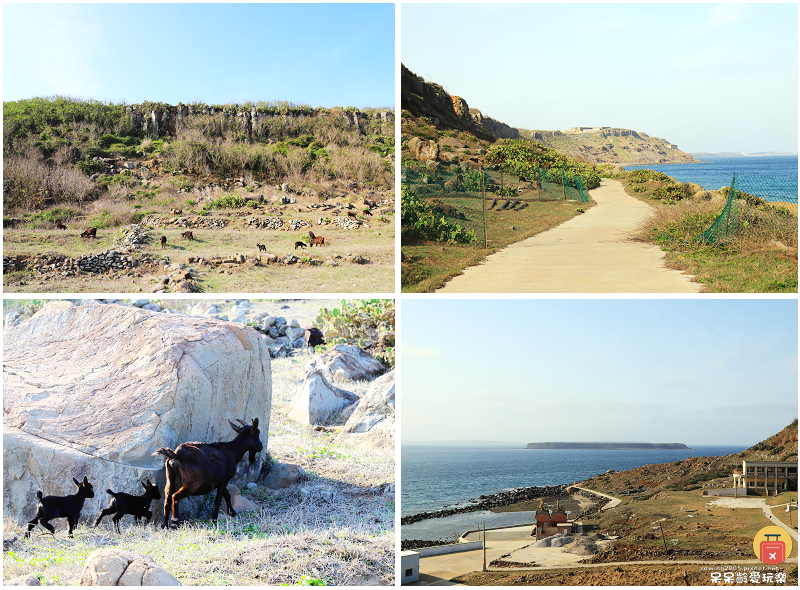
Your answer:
<point x="116" y="567"/>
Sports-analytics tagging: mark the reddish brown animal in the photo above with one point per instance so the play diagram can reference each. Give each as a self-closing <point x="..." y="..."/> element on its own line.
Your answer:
<point x="351" y="214"/>
<point x="196" y="469"/>
<point x="188" y="235"/>
<point x="319" y="241"/>
<point x="163" y="242"/>
<point x="367" y="212"/>
<point x="90" y="233"/>
<point x="60" y="226"/>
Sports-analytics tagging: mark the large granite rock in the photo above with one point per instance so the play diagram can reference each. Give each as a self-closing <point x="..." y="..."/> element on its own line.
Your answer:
<point x="117" y="567"/>
<point x="318" y="400"/>
<point x="423" y="149"/>
<point x="94" y="390"/>
<point x="372" y="422"/>
<point x="348" y="362"/>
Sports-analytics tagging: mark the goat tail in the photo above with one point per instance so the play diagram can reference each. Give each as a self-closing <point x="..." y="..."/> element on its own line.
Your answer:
<point x="110" y="493"/>
<point x="169" y="453"/>
<point x="39" y="495"/>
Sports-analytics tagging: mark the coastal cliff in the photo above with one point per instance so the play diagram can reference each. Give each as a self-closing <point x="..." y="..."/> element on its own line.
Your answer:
<point x="606" y="145"/>
<point x="622" y="446"/>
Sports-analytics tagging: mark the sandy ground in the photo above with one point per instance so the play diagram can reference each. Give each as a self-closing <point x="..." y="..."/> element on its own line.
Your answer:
<point x="591" y="253"/>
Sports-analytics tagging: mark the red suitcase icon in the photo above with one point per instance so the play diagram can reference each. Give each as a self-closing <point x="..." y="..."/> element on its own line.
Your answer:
<point x="772" y="552"/>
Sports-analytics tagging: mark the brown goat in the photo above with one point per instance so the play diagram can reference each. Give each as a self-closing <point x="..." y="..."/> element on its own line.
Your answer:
<point x="319" y="241"/>
<point x="163" y="242"/>
<point x="351" y="214"/>
<point x="196" y="469"/>
<point x="60" y="226"/>
<point x="90" y="233"/>
<point x="188" y="235"/>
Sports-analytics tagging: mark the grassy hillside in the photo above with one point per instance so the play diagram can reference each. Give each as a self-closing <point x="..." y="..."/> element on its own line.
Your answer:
<point x="228" y="170"/>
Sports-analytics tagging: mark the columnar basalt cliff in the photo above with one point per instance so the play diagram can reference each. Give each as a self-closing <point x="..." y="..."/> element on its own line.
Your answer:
<point x="163" y="119"/>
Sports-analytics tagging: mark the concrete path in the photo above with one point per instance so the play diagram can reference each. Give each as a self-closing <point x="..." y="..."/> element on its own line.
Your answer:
<point x="590" y="253"/>
<point x="777" y="522"/>
<point x="614" y="501"/>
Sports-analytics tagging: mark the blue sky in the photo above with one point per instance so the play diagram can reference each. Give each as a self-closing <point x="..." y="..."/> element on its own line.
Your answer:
<point x="706" y="77"/>
<point x="317" y="54"/>
<point x="720" y="372"/>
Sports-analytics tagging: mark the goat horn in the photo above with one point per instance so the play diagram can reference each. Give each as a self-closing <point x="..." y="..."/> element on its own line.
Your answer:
<point x="242" y="422"/>
<point x="236" y="428"/>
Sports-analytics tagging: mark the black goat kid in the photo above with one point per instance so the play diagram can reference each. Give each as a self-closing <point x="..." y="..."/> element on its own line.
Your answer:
<point x="138" y="506"/>
<point x="69" y="507"/>
<point x="196" y="469"/>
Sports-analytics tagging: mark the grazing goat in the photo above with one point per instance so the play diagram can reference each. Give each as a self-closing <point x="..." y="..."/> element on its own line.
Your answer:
<point x="188" y="235"/>
<point x="318" y="240"/>
<point x="351" y="214"/>
<point x="299" y="245"/>
<point x="313" y="337"/>
<point x="261" y="247"/>
<point x="196" y="469"/>
<point x="368" y="211"/>
<point x="137" y="506"/>
<point x="163" y="242"/>
<point x="90" y="233"/>
<point x="69" y="507"/>
<point x="60" y="226"/>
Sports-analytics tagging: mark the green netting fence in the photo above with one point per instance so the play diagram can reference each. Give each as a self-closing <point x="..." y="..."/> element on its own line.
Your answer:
<point x="757" y="209"/>
<point x="469" y="196"/>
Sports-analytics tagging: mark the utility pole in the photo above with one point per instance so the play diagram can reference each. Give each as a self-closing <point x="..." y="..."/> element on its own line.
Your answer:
<point x="484" y="545"/>
<point x="662" y="537"/>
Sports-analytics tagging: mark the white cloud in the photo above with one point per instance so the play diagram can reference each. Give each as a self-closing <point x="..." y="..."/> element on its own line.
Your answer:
<point x="409" y="351"/>
<point x="719" y="16"/>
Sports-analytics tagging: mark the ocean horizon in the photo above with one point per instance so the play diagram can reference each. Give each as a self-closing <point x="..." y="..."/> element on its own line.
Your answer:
<point x="714" y="172"/>
<point x="436" y="476"/>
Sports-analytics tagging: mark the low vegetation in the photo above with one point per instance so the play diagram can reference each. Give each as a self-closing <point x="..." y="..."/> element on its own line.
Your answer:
<point x="760" y="258"/>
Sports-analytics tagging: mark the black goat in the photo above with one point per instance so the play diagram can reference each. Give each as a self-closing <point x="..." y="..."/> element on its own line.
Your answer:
<point x="261" y="247"/>
<point x="138" y="506"/>
<point x="69" y="507"/>
<point x="196" y="469"/>
<point x="299" y="245"/>
<point x="313" y="337"/>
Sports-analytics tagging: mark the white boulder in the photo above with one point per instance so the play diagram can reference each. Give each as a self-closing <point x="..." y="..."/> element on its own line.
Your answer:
<point x="94" y="390"/>
<point x="348" y="361"/>
<point x="318" y="400"/>
<point x="372" y="422"/>
<point x="117" y="567"/>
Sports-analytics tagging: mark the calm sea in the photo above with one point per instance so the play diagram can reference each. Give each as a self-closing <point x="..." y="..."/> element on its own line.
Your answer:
<point x="714" y="172"/>
<point x="439" y="476"/>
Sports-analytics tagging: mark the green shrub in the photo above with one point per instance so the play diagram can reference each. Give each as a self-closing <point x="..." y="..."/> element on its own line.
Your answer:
<point x="368" y="323"/>
<point x="421" y="222"/>
<point x="90" y="167"/>
<point x="228" y="202"/>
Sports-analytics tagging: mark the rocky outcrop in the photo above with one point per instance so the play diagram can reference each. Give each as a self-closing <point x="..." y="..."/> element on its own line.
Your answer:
<point x="164" y="119"/>
<point x="348" y="362"/>
<point x="117" y="567"/>
<point x="624" y="147"/>
<point x="93" y="390"/>
<point x="372" y="422"/>
<point x="319" y="400"/>
<point x="423" y="150"/>
<point x="282" y="475"/>
<point x="496" y="128"/>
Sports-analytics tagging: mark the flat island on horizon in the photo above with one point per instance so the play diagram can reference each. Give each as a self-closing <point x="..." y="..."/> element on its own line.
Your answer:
<point x="613" y="446"/>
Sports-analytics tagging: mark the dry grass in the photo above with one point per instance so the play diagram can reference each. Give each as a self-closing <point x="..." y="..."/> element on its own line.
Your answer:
<point x="376" y="244"/>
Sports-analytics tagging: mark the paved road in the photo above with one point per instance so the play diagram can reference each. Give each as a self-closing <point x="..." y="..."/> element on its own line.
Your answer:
<point x="590" y="253"/>
<point x="777" y="522"/>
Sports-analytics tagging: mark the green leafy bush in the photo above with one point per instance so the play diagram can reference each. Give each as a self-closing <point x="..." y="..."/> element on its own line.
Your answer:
<point x="420" y="222"/>
<point x="672" y="192"/>
<point x="367" y="323"/>
<point x="228" y="202"/>
<point x="89" y="166"/>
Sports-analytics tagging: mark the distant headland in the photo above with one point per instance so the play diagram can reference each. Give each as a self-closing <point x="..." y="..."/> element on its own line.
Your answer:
<point x="609" y="446"/>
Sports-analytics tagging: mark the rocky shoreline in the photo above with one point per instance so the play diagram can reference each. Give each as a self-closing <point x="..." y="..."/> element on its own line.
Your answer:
<point x="502" y="499"/>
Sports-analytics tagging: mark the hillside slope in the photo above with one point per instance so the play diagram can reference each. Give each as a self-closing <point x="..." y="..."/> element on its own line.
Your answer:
<point x="611" y="146"/>
<point x="696" y="472"/>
